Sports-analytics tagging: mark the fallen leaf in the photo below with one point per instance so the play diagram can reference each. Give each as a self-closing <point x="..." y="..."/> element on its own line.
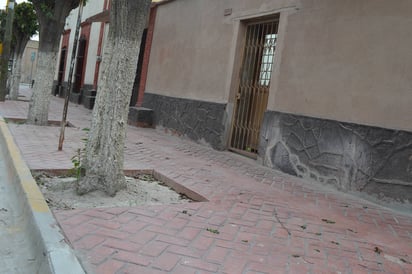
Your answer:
<point x="377" y="250"/>
<point x="328" y="221"/>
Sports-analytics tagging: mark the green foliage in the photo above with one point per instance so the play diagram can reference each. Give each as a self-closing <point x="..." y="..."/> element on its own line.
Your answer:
<point x="24" y="23"/>
<point x="78" y="159"/>
<point x="3" y="17"/>
<point x="77" y="163"/>
<point x="25" y="19"/>
<point x="46" y="7"/>
<point x="214" y="231"/>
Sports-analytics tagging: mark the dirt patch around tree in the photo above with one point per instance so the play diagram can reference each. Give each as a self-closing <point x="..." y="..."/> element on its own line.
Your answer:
<point x="144" y="189"/>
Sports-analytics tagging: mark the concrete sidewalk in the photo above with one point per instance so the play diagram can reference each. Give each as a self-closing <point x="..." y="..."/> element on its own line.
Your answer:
<point x="263" y="221"/>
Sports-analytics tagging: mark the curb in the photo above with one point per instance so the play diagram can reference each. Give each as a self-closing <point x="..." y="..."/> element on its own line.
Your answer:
<point x="54" y="254"/>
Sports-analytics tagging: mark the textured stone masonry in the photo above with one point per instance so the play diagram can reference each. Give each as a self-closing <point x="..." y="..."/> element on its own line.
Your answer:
<point x="198" y="120"/>
<point x="351" y="157"/>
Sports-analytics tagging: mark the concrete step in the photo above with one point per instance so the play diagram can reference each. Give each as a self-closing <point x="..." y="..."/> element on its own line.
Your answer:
<point x="140" y="117"/>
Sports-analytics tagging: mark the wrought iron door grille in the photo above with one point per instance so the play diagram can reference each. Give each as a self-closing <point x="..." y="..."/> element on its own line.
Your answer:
<point x="254" y="83"/>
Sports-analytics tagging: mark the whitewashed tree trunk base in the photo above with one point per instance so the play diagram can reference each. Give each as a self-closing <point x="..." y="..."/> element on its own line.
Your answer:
<point x="104" y="156"/>
<point x="105" y="146"/>
<point x="15" y="80"/>
<point x="109" y="185"/>
<point x="52" y="17"/>
<point x="40" y="100"/>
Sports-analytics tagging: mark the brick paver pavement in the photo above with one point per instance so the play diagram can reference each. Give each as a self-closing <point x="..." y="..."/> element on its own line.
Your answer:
<point x="256" y="220"/>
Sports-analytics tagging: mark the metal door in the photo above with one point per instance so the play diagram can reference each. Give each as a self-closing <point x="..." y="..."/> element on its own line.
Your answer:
<point x="254" y="83"/>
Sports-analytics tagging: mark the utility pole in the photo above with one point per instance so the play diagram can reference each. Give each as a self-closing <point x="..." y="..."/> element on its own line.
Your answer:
<point x="69" y="87"/>
<point x="5" y="55"/>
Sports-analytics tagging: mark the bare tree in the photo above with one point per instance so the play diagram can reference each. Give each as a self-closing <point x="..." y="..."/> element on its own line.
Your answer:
<point x="104" y="151"/>
<point x="51" y="15"/>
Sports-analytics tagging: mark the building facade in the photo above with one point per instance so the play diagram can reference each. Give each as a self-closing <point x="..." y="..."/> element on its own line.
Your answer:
<point x="317" y="89"/>
<point x="29" y="62"/>
<point x="93" y="30"/>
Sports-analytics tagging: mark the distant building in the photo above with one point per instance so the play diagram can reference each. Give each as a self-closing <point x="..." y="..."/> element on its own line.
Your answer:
<point x="317" y="89"/>
<point x="90" y="48"/>
<point x="29" y="62"/>
<point x="93" y="34"/>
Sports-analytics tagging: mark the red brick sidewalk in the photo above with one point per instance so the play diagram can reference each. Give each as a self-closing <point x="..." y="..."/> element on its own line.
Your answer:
<point x="256" y="220"/>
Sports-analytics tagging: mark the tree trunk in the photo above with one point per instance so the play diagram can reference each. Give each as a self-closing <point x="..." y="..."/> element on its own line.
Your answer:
<point x="15" y="78"/>
<point x="21" y="40"/>
<point x="43" y="82"/>
<point x="6" y="46"/>
<point x="105" y="146"/>
<point x="50" y="31"/>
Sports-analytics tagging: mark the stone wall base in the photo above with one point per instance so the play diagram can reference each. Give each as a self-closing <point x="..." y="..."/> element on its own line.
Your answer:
<point x="198" y="120"/>
<point x="140" y="117"/>
<point x="352" y="157"/>
<point x="86" y="96"/>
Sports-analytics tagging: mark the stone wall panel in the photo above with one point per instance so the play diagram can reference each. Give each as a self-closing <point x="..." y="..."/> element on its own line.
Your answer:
<point x="198" y="120"/>
<point x="351" y="157"/>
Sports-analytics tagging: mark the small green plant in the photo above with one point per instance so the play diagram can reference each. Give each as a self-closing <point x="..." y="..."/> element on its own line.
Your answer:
<point x="77" y="163"/>
<point x="78" y="159"/>
<point x="214" y="231"/>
